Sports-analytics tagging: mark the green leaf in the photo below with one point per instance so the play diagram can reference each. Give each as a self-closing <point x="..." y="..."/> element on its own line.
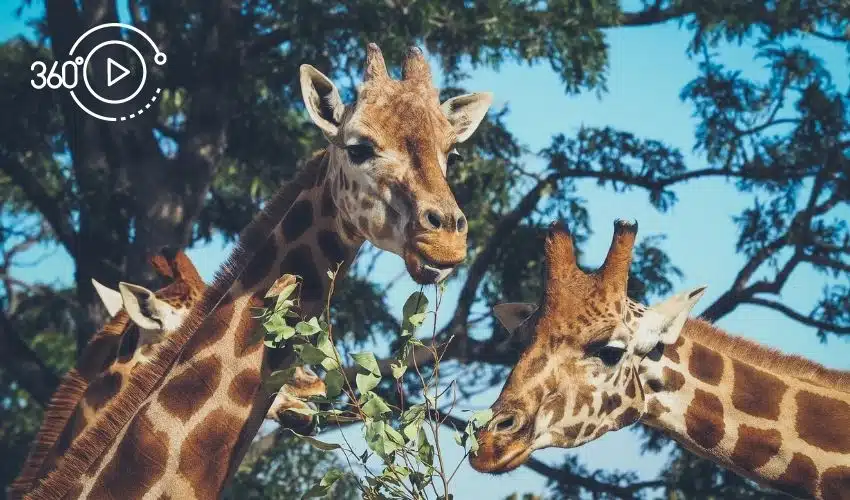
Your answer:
<point x="413" y="312"/>
<point x="322" y="488"/>
<point x="375" y="406"/>
<point x="315" y="443"/>
<point x="366" y="382"/>
<point x="458" y="438"/>
<point x="324" y="344"/>
<point x="417" y="319"/>
<point x="310" y="354"/>
<point x="416" y="303"/>
<point x="367" y="361"/>
<point x="398" y="369"/>
<point x="481" y="417"/>
<point x="330" y="274"/>
<point x="308" y="327"/>
<point x="425" y="451"/>
<point x="277" y="378"/>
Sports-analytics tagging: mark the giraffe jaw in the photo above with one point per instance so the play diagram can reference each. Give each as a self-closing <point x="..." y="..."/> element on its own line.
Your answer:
<point x="424" y="270"/>
<point x="485" y="461"/>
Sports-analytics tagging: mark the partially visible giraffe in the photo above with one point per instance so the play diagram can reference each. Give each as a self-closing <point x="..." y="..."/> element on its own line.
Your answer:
<point x="87" y="386"/>
<point x="115" y="351"/>
<point x="182" y="427"/>
<point x="599" y="361"/>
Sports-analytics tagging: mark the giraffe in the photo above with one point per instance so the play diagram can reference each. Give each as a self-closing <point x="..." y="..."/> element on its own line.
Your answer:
<point x="87" y="386"/>
<point x="115" y="351"/>
<point x="183" y="424"/>
<point x="598" y="362"/>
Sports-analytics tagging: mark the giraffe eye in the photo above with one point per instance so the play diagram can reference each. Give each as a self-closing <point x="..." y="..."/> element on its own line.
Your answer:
<point x="453" y="158"/>
<point x="358" y="153"/>
<point x="610" y="355"/>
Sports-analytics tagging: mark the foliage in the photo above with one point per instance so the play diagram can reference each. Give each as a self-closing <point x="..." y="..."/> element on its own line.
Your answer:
<point x="404" y="437"/>
<point x="231" y="128"/>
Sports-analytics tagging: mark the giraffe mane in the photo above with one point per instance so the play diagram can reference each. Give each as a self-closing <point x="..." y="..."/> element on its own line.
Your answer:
<point x="61" y="407"/>
<point x="95" y="439"/>
<point x="765" y="357"/>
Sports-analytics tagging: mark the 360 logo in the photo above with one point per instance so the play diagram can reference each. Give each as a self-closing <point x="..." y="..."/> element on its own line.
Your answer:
<point x="110" y="95"/>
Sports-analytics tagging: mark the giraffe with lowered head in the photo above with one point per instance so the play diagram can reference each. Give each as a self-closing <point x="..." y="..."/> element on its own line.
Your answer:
<point x="185" y="421"/>
<point x="598" y="362"/>
<point x="122" y="345"/>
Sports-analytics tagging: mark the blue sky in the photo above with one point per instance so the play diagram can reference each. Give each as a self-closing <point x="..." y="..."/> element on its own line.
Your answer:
<point x="648" y="68"/>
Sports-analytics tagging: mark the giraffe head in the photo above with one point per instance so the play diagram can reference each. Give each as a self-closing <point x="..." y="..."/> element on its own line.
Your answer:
<point x="581" y="375"/>
<point x="390" y="150"/>
<point x="161" y="312"/>
<point x="293" y="396"/>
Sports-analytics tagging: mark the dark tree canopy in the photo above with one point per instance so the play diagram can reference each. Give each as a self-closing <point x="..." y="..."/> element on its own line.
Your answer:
<point x="230" y="128"/>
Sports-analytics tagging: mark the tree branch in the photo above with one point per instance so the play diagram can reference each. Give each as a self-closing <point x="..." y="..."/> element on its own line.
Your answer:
<point x="50" y="207"/>
<point x="24" y="364"/>
<point x="796" y="316"/>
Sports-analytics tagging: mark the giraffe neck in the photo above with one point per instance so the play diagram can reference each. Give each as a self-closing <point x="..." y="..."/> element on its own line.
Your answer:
<point x="211" y="402"/>
<point x="60" y="422"/>
<point x="779" y="420"/>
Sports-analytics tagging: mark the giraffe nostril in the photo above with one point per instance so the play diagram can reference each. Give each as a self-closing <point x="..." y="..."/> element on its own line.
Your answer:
<point x="433" y="218"/>
<point x="503" y="423"/>
<point x="461" y="224"/>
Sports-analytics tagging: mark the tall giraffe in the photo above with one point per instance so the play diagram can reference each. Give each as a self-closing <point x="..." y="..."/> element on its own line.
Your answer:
<point x="599" y="361"/>
<point x="185" y="421"/>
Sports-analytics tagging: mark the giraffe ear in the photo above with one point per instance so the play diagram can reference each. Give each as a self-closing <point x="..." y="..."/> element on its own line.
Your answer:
<point x="141" y="305"/>
<point x="465" y="112"/>
<point x="111" y="298"/>
<point x="324" y="105"/>
<point x="663" y="322"/>
<point x="513" y="314"/>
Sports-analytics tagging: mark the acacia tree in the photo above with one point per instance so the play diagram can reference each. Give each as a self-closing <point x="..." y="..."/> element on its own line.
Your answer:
<point x="231" y="129"/>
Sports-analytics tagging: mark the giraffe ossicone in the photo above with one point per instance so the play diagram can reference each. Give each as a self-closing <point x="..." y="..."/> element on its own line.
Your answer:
<point x="598" y="361"/>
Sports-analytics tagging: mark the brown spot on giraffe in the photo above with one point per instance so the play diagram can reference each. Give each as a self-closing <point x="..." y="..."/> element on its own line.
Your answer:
<point x="589" y="430"/>
<point x="332" y="247"/>
<point x="583" y="398"/>
<point x="704" y="419"/>
<point x="755" y="447"/>
<point x="656" y="408"/>
<point x="628" y="417"/>
<point x="328" y="205"/>
<point x="199" y="379"/>
<point x="102" y="389"/>
<point x="244" y="386"/>
<point x="218" y="326"/>
<point x="671" y="352"/>
<point x="132" y="472"/>
<point x="298" y="220"/>
<point x="824" y="423"/>
<point x="757" y="392"/>
<point x="556" y="406"/>
<point x="247" y="341"/>
<point x="799" y="478"/>
<point x="705" y="364"/>
<point x="204" y="457"/>
<point x="835" y="483"/>
<point x="259" y="266"/>
<point x="673" y="380"/>
<point x="299" y="261"/>
<point x="610" y="402"/>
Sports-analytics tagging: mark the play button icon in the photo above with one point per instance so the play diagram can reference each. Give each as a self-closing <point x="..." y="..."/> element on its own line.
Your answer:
<point x="113" y="79"/>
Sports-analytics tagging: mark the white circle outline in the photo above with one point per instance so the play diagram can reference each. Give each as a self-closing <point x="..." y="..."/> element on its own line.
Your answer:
<point x="86" y="75"/>
<point x="156" y="58"/>
<point x="78" y="60"/>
